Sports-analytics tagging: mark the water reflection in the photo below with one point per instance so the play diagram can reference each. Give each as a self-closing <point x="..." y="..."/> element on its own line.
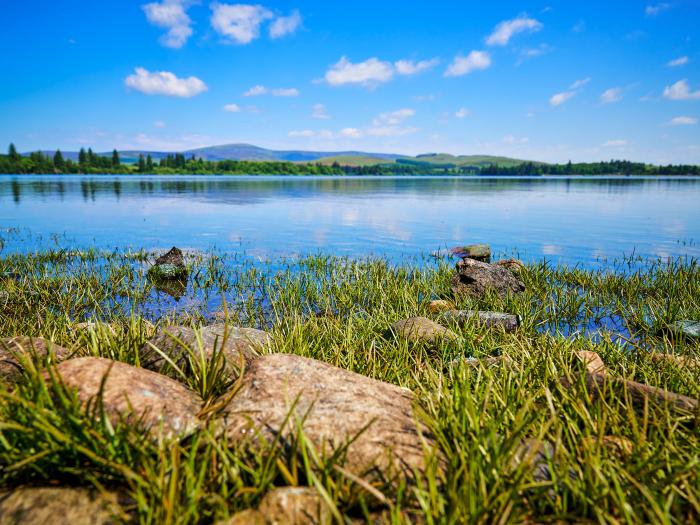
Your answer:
<point x="575" y="220"/>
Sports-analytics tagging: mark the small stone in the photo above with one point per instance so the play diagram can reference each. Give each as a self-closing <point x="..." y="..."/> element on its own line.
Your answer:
<point x="294" y="506"/>
<point x="537" y="455"/>
<point x="512" y="265"/>
<point x="592" y="361"/>
<point x="509" y="322"/>
<point x="478" y="252"/>
<point x="15" y="350"/>
<point x="58" y="506"/>
<point x="423" y="330"/>
<point x="440" y="305"/>
<point x="333" y="407"/>
<point x="685" y="328"/>
<point x="180" y="343"/>
<point x="486" y="362"/>
<point x="169" y="267"/>
<point x="165" y="407"/>
<point x="475" y="279"/>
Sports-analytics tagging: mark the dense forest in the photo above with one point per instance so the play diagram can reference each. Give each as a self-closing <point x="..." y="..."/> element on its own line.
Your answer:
<point x="177" y="163"/>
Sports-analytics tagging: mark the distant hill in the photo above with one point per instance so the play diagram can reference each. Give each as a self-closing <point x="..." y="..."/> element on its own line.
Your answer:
<point x="346" y="158"/>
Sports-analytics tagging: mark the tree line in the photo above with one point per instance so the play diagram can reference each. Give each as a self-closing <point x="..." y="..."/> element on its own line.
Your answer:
<point x="177" y="163"/>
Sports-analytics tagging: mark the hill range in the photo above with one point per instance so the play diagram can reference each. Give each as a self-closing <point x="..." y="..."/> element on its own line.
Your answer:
<point x="346" y="158"/>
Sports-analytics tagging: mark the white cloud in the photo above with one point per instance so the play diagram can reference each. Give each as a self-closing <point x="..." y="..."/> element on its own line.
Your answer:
<point x="285" y="25"/>
<point x="393" y="118"/>
<point x="655" y="9"/>
<point x="681" y="91"/>
<point x="255" y="91"/>
<point x="580" y="83"/>
<point x="164" y="83"/>
<point x="285" y="92"/>
<point x="615" y="143"/>
<point x="390" y="131"/>
<point x="611" y="95"/>
<point x="461" y="65"/>
<point x="319" y="112"/>
<point x="683" y="121"/>
<point x="680" y="61"/>
<point x="232" y="108"/>
<point x="462" y="113"/>
<point x="371" y="72"/>
<point x="504" y="31"/>
<point x="559" y="98"/>
<point x="512" y="140"/>
<point x="240" y="23"/>
<point x="159" y="124"/>
<point x="579" y="27"/>
<point x="302" y="133"/>
<point x="170" y="15"/>
<point x="533" y="52"/>
<point x="352" y="133"/>
<point x="409" y="67"/>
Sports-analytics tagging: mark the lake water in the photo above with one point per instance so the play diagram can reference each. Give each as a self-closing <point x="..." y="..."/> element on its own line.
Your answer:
<point x="572" y="220"/>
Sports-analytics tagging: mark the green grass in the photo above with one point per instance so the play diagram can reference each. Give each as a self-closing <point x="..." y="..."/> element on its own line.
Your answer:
<point x="339" y="311"/>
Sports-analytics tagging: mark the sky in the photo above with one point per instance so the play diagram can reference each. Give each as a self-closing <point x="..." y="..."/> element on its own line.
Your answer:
<point x="551" y="81"/>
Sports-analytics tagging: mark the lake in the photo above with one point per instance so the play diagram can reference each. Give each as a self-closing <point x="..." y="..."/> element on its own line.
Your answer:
<point x="582" y="220"/>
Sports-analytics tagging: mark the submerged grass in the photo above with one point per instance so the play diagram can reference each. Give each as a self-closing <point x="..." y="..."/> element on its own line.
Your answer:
<point x="339" y="311"/>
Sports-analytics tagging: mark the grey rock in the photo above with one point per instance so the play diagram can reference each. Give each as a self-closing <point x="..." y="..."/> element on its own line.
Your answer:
<point x="169" y="267"/>
<point x="164" y="407"/>
<point x="333" y="407"/>
<point x="475" y="279"/>
<point x="422" y="330"/>
<point x="238" y="347"/>
<point x="58" y="506"/>
<point x="15" y="351"/>
<point x="509" y="322"/>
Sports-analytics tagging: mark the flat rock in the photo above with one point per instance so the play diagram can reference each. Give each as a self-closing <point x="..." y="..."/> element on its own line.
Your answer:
<point x="166" y="407"/>
<point x="509" y="322"/>
<point x="294" y="506"/>
<point x="479" y="252"/>
<point x="15" y="350"/>
<point x="238" y="347"/>
<point x="422" y="330"/>
<point x="475" y="278"/>
<point x="57" y="506"/>
<point x="333" y="406"/>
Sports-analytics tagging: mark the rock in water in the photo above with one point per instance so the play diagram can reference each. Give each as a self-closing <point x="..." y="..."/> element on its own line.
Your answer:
<point x="58" y="506"/>
<point x="422" y="330"/>
<point x="15" y="350"/>
<point x="165" y="407"/>
<point x="180" y="343"/>
<point x="475" y="278"/>
<point x="170" y="266"/>
<point x="509" y="322"/>
<point x="686" y="328"/>
<point x="333" y="406"/>
<point x="478" y="252"/>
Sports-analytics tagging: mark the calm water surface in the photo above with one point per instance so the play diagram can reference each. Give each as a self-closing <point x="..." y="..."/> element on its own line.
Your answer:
<point x="574" y="220"/>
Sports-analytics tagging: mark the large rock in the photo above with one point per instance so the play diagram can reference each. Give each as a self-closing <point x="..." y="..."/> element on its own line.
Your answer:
<point x="164" y="407"/>
<point x="509" y="322"/>
<point x="422" y="330"/>
<point x="169" y="273"/>
<point x="238" y="347"/>
<point x="478" y="252"/>
<point x="58" y="506"/>
<point x="474" y="278"/>
<point x="333" y="406"/>
<point x="15" y="351"/>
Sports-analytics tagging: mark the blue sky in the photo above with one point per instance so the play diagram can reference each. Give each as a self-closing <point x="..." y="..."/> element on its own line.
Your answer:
<point x="547" y="80"/>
